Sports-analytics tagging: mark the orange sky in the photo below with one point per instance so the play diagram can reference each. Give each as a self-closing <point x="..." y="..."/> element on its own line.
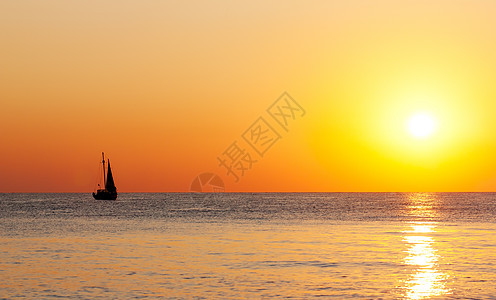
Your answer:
<point x="164" y="87"/>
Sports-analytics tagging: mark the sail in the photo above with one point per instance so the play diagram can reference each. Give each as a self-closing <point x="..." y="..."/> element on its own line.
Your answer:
<point x="109" y="185"/>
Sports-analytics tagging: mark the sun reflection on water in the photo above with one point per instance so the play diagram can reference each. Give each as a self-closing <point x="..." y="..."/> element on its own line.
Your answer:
<point x="426" y="280"/>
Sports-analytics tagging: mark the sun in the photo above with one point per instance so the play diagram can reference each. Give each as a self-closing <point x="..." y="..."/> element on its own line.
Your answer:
<point x="422" y="125"/>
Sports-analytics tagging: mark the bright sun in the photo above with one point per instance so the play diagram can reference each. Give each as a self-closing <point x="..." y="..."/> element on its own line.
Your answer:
<point x="421" y="125"/>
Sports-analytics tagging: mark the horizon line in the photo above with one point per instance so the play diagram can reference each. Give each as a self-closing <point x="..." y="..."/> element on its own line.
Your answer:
<point x="257" y="192"/>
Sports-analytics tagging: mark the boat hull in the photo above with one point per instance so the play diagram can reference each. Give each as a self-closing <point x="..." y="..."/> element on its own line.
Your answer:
<point x="104" y="195"/>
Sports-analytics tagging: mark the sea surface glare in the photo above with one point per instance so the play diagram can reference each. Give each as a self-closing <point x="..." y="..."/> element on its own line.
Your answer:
<point x="243" y="245"/>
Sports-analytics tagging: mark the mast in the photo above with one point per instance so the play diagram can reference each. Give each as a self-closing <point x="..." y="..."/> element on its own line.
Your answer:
<point x="103" y="161"/>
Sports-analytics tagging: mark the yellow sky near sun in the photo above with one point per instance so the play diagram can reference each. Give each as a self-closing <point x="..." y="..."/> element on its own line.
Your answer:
<point x="164" y="87"/>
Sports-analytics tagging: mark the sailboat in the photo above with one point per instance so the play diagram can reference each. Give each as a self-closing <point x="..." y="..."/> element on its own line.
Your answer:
<point x="110" y="191"/>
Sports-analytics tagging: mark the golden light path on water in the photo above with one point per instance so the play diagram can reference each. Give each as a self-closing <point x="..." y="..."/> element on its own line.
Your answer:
<point x="426" y="280"/>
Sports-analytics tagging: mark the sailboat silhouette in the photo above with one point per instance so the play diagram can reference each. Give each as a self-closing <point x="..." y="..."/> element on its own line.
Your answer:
<point x="110" y="191"/>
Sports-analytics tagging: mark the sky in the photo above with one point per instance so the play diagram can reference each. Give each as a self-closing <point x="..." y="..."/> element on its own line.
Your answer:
<point x="169" y="89"/>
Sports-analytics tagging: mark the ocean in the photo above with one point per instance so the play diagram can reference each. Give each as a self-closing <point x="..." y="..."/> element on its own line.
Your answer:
<point x="249" y="246"/>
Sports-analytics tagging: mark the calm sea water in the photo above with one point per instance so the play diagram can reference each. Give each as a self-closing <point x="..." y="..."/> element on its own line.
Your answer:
<point x="237" y="246"/>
